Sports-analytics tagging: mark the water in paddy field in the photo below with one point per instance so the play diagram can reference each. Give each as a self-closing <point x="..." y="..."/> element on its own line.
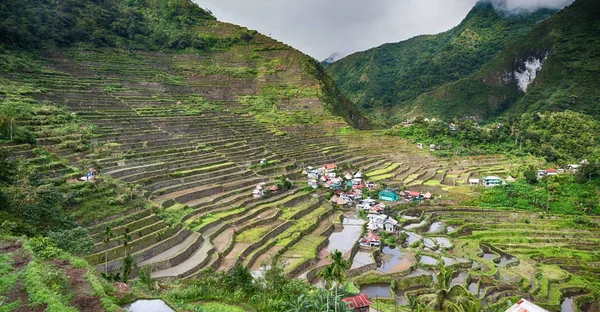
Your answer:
<point x="415" y="225"/>
<point x="412" y="237"/>
<point x="428" y="260"/>
<point x="473" y="288"/>
<point x="148" y="306"/>
<point x="379" y="290"/>
<point x="443" y="242"/>
<point x="506" y="259"/>
<point x="436" y="227"/>
<point x="345" y="240"/>
<point x="460" y="279"/>
<point x="451" y="229"/>
<point x="361" y="259"/>
<point x="568" y="305"/>
<point x="394" y="260"/>
<point x="400" y="299"/>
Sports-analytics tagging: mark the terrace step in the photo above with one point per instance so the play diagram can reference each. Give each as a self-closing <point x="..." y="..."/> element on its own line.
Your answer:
<point x="196" y="261"/>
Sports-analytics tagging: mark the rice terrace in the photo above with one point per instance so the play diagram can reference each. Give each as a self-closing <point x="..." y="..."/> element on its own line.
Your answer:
<point x="227" y="172"/>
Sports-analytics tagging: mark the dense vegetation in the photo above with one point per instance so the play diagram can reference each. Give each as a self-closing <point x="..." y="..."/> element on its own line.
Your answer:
<point x="149" y="24"/>
<point x="385" y="78"/>
<point x="567" y="80"/>
<point x="563" y="137"/>
<point x="564" y="194"/>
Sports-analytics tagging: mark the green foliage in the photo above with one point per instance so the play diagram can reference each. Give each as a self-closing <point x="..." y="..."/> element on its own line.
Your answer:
<point x="128" y="264"/>
<point x="132" y="24"/>
<point x="76" y="241"/>
<point x="44" y="247"/>
<point x="570" y="198"/>
<point x="568" y="79"/>
<point x="389" y="77"/>
<point x="530" y="175"/>
<point x="561" y="137"/>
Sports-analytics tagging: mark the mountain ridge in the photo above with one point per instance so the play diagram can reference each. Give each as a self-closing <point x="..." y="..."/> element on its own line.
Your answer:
<point x="383" y="78"/>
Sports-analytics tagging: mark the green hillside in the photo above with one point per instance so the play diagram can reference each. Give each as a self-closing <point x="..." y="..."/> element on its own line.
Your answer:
<point x="387" y="78"/>
<point x="179" y="27"/>
<point x="567" y="44"/>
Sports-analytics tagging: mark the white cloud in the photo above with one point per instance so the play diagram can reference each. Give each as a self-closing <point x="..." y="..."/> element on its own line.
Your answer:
<point x="322" y="27"/>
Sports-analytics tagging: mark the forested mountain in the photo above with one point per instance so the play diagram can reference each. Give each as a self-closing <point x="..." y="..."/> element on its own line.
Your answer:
<point x="389" y="77"/>
<point x="178" y="26"/>
<point x="554" y="67"/>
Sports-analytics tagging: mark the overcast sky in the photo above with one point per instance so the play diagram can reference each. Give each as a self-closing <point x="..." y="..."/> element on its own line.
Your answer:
<point x="322" y="27"/>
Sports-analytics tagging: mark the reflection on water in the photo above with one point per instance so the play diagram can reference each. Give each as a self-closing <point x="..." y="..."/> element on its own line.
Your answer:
<point x="380" y="290"/>
<point x="568" y="305"/>
<point x="473" y="289"/>
<point x="428" y="260"/>
<point x="148" y="306"/>
<point x="394" y="260"/>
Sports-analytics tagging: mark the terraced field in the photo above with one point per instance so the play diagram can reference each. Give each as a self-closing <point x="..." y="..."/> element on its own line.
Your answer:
<point x="498" y="256"/>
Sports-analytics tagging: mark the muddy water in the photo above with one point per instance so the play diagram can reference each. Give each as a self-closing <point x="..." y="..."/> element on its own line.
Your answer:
<point x="443" y="242"/>
<point x="415" y="225"/>
<point x="568" y="305"/>
<point x="345" y="240"/>
<point x="379" y="290"/>
<point x="473" y="288"/>
<point x="400" y="299"/>
<point x="448" y="261"/>
<point x="436" y="227"/>
<point x="460" y="279"/>
<point x="506" y="259"/>
<point x="394" y="260"/>
<point x="428" y="260"/>
<point x="418" y="272"/>
<point x="451" y="229"/>
<point x="148" y="306"/>
<point x="412" y="237"/>
<point x="361" y="259"/>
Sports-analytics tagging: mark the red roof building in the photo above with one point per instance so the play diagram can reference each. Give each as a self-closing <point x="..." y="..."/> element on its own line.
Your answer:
<point x="359" y="303"/>
<point x="414" y="194"/>
<point x="330" y="167"/>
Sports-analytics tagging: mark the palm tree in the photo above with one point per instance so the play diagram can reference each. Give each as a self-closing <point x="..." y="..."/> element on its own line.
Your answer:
<point x="335" y="272"/>
<point x="106" y="236"/>
<point x="448" y="298"/>
<point x="126" y="240"/>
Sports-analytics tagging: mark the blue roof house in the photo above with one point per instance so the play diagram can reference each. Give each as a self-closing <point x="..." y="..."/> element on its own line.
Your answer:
<point x="388" y="195"/>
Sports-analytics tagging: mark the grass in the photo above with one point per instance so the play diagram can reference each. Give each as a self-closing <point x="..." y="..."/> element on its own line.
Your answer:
<point x="197" y="223"/>
<point x="386" y="170"/>
<point x="253" y="234"/>
<point x="219" y="307"/>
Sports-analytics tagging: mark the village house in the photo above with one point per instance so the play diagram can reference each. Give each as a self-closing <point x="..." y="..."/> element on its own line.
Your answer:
<point x="427" y="196"/>
<point x="330" y="168"/>
<point x="474" y="181"/>
<point x="452" y="127"/>
<point x="388" y="195"/>
<point x="492" y="181"/>
<point x="432" y="147"/>
<point x="258" y="193"/>
<point x="382" y="222"/>
<point x="551" y="172"/>
<point x="414" y="195"/>
<point x="370" y="240"/>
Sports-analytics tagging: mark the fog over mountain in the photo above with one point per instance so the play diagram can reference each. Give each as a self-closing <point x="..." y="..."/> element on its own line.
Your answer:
<point x="322" y="27"/>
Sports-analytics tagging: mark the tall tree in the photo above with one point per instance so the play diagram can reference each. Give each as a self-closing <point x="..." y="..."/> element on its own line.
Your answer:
<point x="448" y="298"/>
<point x="106" y="237"/>
<point x="335" y="272"/>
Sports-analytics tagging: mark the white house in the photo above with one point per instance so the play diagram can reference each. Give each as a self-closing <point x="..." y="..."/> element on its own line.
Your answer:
<point x="382" y="222"/>
<point x="474" y="181"/>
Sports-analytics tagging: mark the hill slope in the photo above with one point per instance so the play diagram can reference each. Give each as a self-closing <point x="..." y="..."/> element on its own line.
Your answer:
<point x="172" y="27"/>
<point x="387" y="77"/>
<point x="554" y="67"/>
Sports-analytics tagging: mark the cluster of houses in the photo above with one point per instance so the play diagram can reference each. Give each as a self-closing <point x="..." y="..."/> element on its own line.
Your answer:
<point x="490" y="181"/>
<point x="407" y="196"/>
<point x="261" y="191"/>
<point x="327" y="177"/>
